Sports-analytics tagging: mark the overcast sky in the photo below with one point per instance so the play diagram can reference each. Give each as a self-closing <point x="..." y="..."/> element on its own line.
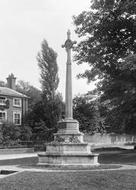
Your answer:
<point x="23" y="26"/>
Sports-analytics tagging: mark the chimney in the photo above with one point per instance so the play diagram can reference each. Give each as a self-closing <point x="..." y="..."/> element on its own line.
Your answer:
<point x="11" y="81"/>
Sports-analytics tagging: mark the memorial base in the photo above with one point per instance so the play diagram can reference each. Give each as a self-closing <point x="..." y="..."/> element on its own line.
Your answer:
<point x="68" y="148"/>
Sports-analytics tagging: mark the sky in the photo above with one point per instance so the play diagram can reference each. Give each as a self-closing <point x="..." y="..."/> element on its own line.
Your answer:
<point x="23" y="26"/>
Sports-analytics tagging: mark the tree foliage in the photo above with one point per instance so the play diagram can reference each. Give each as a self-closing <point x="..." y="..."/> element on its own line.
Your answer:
<point x="47" y="112"/>
<point x="108" y="33"/>
<point x="49" y="70"/>
<point x="44" y="117"/>
<point x="122" y="104"/>
<point x="11" y="135"/>
<point x="86" y="111"/>
<point x="32" y="92"/>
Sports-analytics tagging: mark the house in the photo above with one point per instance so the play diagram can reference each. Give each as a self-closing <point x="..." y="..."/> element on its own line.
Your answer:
<point x="13" y="105"/>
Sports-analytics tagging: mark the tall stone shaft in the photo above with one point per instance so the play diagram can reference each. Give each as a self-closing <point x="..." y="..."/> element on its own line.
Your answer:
<point x="68" y="91"/>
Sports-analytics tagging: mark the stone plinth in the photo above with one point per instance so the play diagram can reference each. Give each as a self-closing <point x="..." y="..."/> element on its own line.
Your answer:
<point x="68" y="159"/>
<point x="68" y="131"/>
<point x="68" y="147"/>
<point x="68" y="154"/>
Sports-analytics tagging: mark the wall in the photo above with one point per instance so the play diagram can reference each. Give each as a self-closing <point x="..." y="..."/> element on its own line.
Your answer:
<point x="110" y="139"/>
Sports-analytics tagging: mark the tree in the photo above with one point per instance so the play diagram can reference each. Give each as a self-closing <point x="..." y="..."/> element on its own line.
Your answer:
<point x="109" y="31"/>
<point x="44" y="117"/>
<point x="47" y="112"/>
<point x="49" y="70"/>
<point x="33" y="93"/>
<point x="86" y="111"/>
<point x="122" y="108"/>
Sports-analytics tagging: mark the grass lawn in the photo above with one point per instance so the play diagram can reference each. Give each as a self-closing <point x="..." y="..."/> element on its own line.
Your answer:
<point x="85" y="180"/>
<point x="118" y="157"/>
<point x="108" y="180"/>
<point x="20" y="161"/>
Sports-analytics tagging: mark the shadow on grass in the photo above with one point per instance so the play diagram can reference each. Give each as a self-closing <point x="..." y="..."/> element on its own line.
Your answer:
<point x="116" y="156"/>
<point x="20" y="161"/>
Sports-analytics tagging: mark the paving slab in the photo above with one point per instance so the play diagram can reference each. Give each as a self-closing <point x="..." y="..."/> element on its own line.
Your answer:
<point x="16" y="156"/>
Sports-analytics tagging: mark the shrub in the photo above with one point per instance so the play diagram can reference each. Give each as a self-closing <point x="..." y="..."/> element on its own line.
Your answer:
<point x="12" y="135"/>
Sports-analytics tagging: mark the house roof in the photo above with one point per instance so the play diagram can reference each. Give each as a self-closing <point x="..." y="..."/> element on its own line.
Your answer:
<point x="10" y="92"/>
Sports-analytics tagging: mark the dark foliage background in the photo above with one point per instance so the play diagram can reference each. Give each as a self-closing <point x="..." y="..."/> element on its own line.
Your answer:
<point x="108" y="44"/>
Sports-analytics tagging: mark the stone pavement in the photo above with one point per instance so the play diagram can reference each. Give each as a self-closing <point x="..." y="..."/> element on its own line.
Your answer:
<point x="16" y="156"/>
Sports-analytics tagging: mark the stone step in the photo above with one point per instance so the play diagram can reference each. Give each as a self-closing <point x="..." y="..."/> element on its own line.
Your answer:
<point x="68" y="159"/>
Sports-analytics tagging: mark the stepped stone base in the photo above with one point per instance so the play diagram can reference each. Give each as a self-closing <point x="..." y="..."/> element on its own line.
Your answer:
<point x="67" y="159"/>
<point x="68" y="148"/>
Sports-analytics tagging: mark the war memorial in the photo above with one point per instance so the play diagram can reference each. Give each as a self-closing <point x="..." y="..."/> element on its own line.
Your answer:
<point x="68" y="147"/>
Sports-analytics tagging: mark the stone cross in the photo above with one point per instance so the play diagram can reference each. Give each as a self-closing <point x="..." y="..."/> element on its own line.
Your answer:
<point x="68" y="91"/>
<point x="68" y="147"/>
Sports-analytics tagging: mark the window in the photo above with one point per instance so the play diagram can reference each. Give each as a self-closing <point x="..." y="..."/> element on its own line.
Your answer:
<point x="3" y="116"/>
<point x="17" y="102"/>
<point x="17" y="118"/>
<point x="2" y="101"/>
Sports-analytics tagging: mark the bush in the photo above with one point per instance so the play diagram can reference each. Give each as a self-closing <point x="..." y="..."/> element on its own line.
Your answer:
<point x="12" y="135"/>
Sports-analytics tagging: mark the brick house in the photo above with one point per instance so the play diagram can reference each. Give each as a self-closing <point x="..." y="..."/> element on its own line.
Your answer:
<point x="13" y="105"/>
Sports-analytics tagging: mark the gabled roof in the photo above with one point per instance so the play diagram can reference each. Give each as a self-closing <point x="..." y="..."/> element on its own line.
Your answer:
<point x="10" y="92"/>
